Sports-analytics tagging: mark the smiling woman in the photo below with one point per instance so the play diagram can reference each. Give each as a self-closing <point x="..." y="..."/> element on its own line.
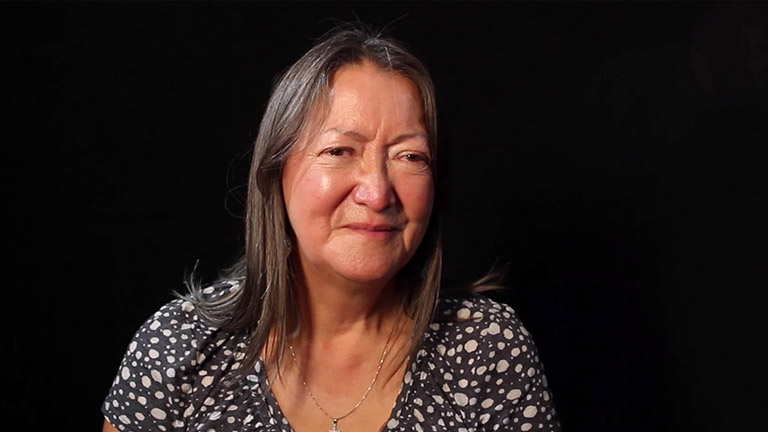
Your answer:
<point x="359" y="195"/>
<point x="341" y="274"/>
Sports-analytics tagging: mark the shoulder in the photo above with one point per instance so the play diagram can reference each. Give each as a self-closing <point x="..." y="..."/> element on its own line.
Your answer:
<point x="172" y="353"/>
<point x="179" y="323"/>
<point x="486" y="365"/>
<point x="477" y="318"/>
<point x="477" y="335"/>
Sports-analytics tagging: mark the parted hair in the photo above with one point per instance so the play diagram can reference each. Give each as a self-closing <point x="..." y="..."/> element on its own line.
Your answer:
<point x="266" y="302"/>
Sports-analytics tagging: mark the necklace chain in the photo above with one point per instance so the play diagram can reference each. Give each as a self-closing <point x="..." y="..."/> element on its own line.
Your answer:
<point x="368" y="390"/>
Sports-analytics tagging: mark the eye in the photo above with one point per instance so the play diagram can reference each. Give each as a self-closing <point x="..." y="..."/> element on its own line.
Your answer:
<point x="338" y="151"/>
<point x="416" y="158"/>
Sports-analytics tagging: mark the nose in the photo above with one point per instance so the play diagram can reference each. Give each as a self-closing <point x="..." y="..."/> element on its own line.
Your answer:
<point x="374" y="188"/>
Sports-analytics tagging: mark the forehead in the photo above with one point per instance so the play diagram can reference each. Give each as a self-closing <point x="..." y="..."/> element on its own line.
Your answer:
<point x="367" y="74"/>
<point x="363" y="98"/>
<point x="360" y="92"/>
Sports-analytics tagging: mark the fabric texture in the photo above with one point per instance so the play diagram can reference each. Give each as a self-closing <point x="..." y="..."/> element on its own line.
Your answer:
<point x="477" y="371"/>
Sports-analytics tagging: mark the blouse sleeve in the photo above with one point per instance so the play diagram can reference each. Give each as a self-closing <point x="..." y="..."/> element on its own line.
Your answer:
<point x="157" y="372"/>
<point x="520" y="399"/>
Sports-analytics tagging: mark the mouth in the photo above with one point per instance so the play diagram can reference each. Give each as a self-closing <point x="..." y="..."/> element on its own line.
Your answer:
<point x="377" y="231"/>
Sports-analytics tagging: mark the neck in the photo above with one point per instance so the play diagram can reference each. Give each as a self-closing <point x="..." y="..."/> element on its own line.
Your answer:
<point x="340" y="309"/>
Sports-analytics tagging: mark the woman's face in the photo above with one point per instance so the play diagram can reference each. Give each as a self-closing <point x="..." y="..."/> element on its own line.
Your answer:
<point x="359" y="190"/>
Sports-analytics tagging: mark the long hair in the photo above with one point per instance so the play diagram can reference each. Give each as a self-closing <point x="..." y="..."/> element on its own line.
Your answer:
<point x="266" y="301"/>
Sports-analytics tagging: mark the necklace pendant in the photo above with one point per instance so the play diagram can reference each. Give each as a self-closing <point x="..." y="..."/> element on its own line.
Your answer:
<point x="334" y="428"/>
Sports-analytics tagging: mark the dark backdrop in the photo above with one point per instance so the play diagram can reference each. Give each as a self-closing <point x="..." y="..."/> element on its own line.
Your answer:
<point x="610" y="155"/>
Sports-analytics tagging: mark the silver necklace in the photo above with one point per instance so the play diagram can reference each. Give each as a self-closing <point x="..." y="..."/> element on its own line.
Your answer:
<point x="334" y="426"/>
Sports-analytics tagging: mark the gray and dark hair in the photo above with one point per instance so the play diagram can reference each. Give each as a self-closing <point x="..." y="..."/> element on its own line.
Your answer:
<point x="266" y="301"/>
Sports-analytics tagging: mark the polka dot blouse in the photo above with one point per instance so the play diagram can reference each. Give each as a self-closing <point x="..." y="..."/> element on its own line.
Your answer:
<point x="479" y="371"/>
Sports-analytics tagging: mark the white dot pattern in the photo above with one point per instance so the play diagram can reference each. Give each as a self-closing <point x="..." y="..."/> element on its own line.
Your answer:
<point x="477" y="369"/>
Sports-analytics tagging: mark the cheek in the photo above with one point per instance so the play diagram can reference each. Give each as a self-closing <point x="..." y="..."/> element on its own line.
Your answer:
<point x="311" y="198"/>
<point x="417" y="196"/>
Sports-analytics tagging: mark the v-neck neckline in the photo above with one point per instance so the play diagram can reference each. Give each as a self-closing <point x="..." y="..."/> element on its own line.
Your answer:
<point x="273" y="411"/>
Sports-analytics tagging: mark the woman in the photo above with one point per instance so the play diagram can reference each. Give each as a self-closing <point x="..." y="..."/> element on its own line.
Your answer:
<point x="332" y="320"/>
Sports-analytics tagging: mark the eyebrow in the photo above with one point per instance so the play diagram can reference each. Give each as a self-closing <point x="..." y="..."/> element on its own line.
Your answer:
<point x="357" y="136"/>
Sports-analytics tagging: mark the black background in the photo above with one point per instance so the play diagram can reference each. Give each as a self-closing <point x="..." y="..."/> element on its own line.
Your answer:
<point x="611" y="155"/>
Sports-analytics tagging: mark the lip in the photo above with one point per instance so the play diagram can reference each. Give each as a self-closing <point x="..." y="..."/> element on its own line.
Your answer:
<point x="374" y="231"/>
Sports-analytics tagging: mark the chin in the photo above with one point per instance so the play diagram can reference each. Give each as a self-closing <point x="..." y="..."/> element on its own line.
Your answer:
<point x="369" y="272"/>
<point x="365" y="263"/>
<point x="368" y="276"/>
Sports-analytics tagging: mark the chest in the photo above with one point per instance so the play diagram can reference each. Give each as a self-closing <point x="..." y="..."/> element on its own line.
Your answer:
<point x="355" y="402"/>
<point x="418" y="401"/>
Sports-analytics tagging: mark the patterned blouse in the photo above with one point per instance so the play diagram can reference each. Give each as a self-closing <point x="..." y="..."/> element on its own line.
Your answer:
<point x="479" y="371"/>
